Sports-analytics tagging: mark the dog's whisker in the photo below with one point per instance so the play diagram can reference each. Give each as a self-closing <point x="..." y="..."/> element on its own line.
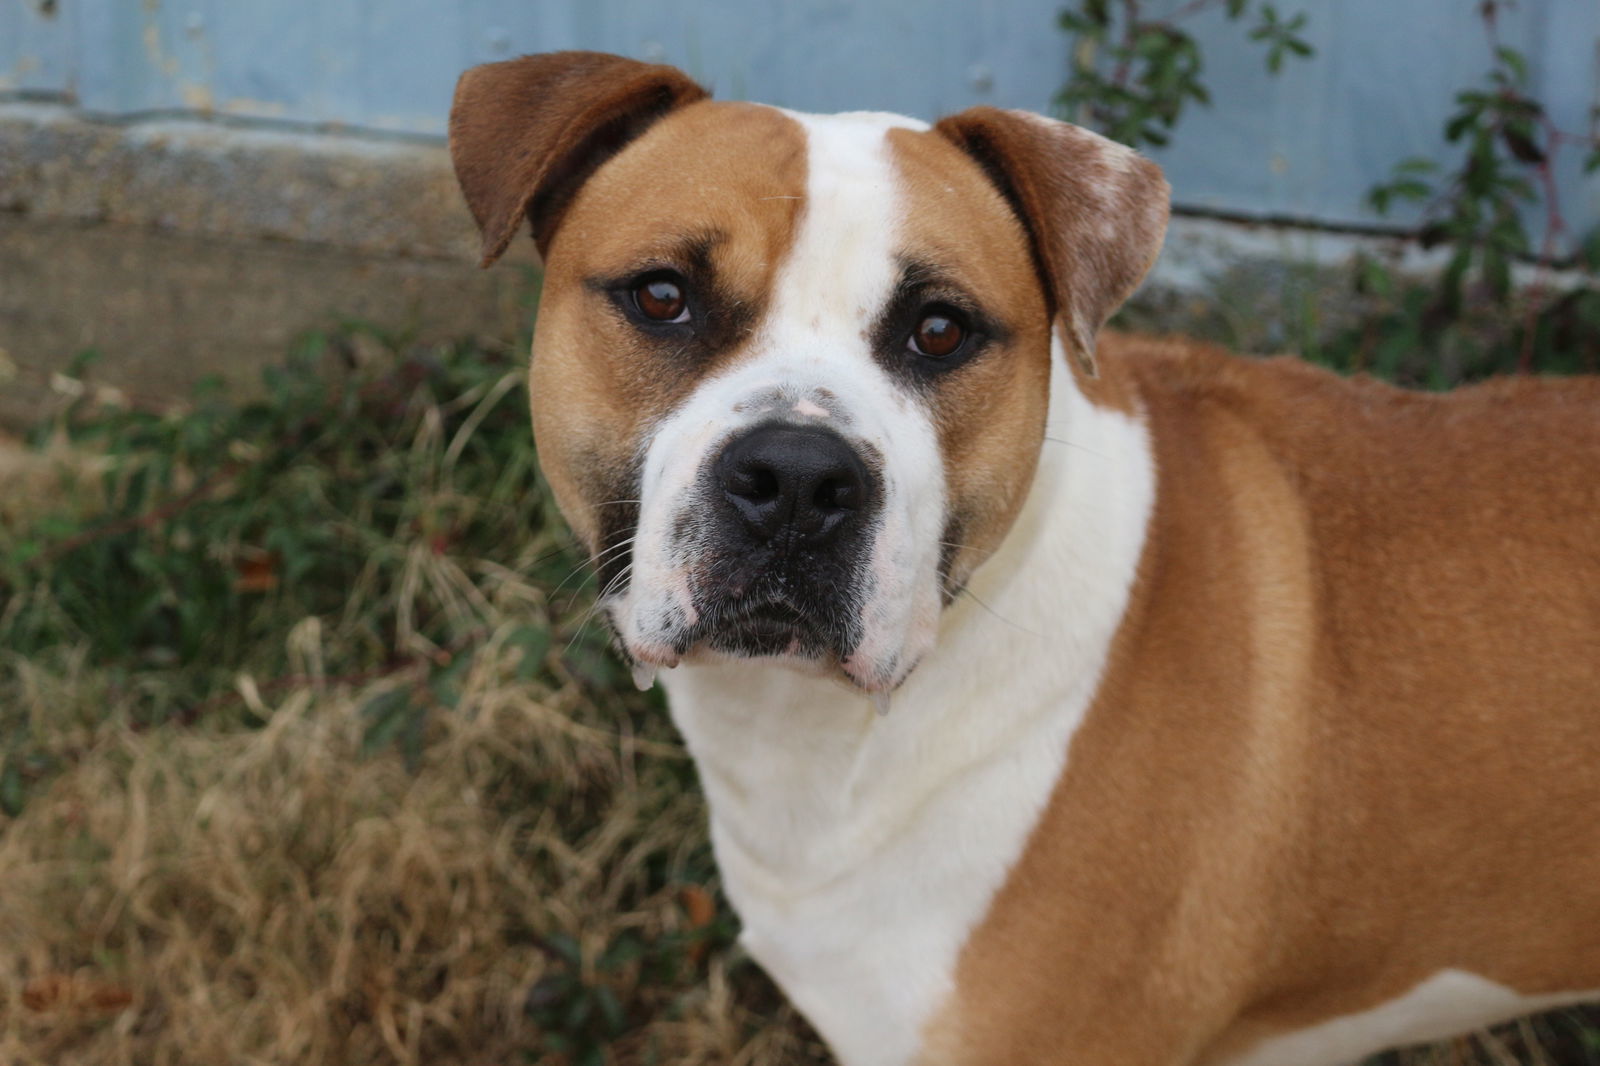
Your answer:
<point x="1075" y="444"/>
<point x="596" y="607"/>
<point x="594" y="563"/>
<point x="966" y="591"/>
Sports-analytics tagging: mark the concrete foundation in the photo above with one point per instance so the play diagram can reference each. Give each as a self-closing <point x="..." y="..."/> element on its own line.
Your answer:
<point x="181" y="249"/>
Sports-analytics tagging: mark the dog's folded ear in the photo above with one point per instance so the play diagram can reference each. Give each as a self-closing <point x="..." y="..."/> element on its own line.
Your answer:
<point x="525" y="133"/>
<point x="1095" y="210"/>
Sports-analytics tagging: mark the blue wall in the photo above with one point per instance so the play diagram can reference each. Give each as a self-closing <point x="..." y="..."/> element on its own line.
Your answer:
<point x="1306" y="144"/>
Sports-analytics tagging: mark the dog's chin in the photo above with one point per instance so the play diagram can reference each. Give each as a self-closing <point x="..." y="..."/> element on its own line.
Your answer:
<point x="778" y="631"/>
<point x="764" y="630"/>
<point x="774" y="630"/>
<point x="773" y="633"/>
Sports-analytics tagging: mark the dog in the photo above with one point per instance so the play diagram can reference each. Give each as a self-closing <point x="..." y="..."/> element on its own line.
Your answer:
<point x="1058" y="697"/>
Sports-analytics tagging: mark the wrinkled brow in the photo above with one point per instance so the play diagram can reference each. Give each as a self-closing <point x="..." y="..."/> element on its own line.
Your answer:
<point x="689" y="253"/>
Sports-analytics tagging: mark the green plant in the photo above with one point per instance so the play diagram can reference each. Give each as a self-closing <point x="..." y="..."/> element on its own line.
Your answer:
<point x="587" y="1002"/>
<point x="1479" y="211"/>
<point x="1133" y="75"/>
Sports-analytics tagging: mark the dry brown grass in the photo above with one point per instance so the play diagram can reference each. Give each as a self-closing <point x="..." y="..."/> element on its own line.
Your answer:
<point x="269" y="896"/>
<point x="58" y="473"/>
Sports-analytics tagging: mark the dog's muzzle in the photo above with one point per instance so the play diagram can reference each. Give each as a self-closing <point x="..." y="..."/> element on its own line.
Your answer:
<point x="782" y="567"/>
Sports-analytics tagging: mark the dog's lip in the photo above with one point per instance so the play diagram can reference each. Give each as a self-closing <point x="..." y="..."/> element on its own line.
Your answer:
<point x="776" y="619"/>
<point x="759" y="627"/>
<point x="772" y="617"/>
<point x="875" y="680"/>
<point x="662" y="655"/>
<point x="771" y="621"/>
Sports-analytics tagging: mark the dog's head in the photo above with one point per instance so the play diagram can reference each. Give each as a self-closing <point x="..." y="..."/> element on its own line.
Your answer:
<point x="790" y="372"/>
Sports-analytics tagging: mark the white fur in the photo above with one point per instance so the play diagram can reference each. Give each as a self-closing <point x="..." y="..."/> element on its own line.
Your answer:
<point x="861" y="851"/>
<point x="1449" y="1002"/>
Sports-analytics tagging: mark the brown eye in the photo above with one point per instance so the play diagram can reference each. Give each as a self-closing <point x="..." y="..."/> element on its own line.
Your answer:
<point x="938" y="335"/>
<point x="661" y="299"/>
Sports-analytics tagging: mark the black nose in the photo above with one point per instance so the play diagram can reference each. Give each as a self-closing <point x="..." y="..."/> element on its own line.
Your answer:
<point x="797" y="480"/>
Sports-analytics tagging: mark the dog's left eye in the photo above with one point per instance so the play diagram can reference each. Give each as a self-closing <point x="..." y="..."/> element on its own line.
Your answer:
<point x="660" y="298"/>
<point x="940" y="333"/>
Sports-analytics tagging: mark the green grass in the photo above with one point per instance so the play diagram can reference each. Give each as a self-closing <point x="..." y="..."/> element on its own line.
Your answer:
<point x="312" y="751"/>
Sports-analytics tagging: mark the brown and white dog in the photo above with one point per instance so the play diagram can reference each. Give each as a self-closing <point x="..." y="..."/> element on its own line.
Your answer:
<point x="1270" y="732"/>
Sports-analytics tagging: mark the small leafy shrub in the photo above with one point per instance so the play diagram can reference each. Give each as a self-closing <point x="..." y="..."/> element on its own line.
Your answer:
<point x="1478" y="211"/>
<point x="1133" y="75"/>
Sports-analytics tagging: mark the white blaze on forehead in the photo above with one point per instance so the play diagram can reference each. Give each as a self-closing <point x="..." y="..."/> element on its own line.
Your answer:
<point x="842" y="267"/>
<point x="813" y="350"/>
<point x="837" y="280"/>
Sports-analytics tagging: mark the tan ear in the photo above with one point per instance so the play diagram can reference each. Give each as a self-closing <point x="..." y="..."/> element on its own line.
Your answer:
<point x="1095" y="209"/>
<point x="526" y="133"/>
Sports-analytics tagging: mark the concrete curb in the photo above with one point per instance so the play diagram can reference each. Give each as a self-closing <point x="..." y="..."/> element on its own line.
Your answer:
<point x="180" y="249"/>
<point x="381" y="196"/>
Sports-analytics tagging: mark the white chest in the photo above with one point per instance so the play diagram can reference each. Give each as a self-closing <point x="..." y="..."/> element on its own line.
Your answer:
<point x="860" y="917"/>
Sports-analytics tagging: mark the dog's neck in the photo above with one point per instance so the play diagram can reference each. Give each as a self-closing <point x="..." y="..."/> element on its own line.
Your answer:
<point x="816" y="801"/>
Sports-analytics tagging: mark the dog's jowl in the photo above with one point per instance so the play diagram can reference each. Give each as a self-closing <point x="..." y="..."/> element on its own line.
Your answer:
<point x="1058" y="697"/>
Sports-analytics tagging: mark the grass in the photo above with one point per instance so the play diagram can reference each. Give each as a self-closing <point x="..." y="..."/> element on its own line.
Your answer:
<point x="312" y="752"/>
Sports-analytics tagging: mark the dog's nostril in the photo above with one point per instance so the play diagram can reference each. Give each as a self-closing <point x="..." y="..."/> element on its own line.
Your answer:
<point x="836" y="494"/>
<point x="758" y="484"/>
<point x="763" y="485"/>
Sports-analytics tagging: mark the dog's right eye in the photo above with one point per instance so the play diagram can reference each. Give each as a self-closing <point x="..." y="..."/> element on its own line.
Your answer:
<point x="939" y="335"/>
<point x="660" y="298"/>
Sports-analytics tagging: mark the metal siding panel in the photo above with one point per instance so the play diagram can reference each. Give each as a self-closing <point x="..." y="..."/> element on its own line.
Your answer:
<point x="1307" y="143"/>
<point x="1310" y="142"/>
<point x="35" y="49"/>
<point x="1566" y="76"/>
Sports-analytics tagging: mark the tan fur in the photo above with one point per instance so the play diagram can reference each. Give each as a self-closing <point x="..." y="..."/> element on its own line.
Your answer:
<point x="732" y="170"/>
<point x="956" y="220"/>
<point x="619" y="165"/>
<point x="526" y="132"/>
<point x="1095" y="212"/>
<point x="1350" y="734"/>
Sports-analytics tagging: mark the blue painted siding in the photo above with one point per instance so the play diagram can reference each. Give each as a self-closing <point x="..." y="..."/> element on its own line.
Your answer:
<point x="1306" y="144"/>
<point x="1309" y="142"/>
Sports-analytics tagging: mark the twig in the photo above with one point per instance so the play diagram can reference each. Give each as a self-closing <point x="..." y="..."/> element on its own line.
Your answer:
<point x="1193" y="7"/>
<point x="392" y="666"/>
<point x="1554" y="226"/>
<point x="152" y="517"/>
<point x="1119" y="77"/>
